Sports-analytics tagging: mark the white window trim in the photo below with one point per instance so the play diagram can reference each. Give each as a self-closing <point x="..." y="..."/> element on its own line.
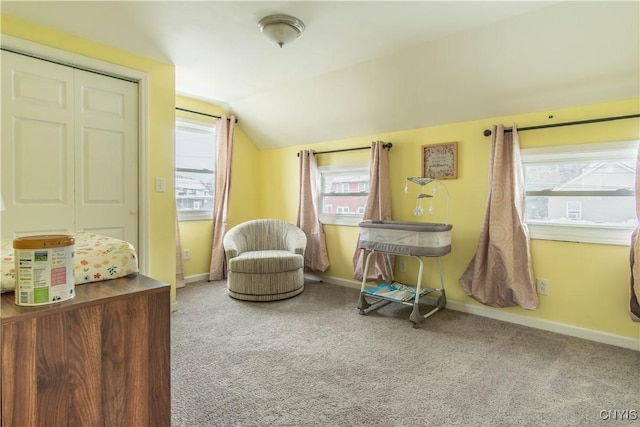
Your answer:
<point x="351" y="220"/>
<point x="200" y="215"/>
<point x="581" y="233"/>
<point x="584" y="233"/>
<point x="567" y="153"/>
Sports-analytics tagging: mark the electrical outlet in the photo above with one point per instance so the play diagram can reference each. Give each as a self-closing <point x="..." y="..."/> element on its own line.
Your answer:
<point x="186" y="254"/>
<point x="402" y="266"/>
<point x="542" y="286"/>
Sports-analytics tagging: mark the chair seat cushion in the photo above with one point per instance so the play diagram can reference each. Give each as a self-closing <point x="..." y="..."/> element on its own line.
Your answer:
<point x="269" y="261"/>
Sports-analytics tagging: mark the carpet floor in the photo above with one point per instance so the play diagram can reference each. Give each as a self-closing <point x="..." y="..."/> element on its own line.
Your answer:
<point x="312" y="360"/>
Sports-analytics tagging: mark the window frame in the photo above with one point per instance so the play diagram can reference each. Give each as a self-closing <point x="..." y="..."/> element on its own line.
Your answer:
<point x="196" y="215"/>
<point x="351" y="220"/>
<point x="583" y="233"/>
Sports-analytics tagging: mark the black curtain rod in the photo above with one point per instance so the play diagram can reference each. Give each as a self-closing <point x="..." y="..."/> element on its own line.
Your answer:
<point x="202" y="114"/>
<point x="387" y="145"/>
<point x="487" y="132"/>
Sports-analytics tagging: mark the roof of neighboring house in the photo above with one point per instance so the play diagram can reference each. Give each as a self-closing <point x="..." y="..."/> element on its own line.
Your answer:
<point x="603" y="176"/>
<point x="189" y="184"/>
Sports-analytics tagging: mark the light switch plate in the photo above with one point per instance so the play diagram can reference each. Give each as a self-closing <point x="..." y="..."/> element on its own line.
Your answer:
<point x="160" y="185"/>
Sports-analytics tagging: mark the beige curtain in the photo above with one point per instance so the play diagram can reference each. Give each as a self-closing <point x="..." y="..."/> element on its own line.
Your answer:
<point x="378" y="207"/>
<point x="179" y="263"/>
<point x="500" y="274"/>
<point x="634" y="291"/>
<point x="224" y="136"/>
<point x="315" y="256"/>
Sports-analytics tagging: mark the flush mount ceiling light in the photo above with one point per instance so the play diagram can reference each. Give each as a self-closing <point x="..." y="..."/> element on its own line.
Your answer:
<point x="281" y="29"/>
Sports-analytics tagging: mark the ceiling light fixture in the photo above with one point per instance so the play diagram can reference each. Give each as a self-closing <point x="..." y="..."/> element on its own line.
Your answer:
<point x="281" y="29"/>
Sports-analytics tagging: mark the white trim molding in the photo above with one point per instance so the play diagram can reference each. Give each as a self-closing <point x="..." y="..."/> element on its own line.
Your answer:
<point x="197" y="278"/>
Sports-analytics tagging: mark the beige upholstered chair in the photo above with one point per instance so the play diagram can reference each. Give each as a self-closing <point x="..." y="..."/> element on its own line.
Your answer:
<point x="265" y="260"/>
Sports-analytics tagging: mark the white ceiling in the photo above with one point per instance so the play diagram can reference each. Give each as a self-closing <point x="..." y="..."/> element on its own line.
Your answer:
<point x="366" y="67"/>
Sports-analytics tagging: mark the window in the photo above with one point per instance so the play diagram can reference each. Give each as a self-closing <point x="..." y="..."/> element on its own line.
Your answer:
<point x="581" y="193"/>
<point x="195" y="175"/>
<point x="574" y="210"/>
<point x="342" y="193"/>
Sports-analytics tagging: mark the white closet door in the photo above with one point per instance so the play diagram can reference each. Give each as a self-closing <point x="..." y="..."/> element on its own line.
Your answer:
<point x="69" y="150"/>
<point x="37" y="147"/>
<point x="106" y="156"/>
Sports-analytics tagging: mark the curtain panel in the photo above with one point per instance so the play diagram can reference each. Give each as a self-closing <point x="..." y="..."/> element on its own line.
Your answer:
<point x="316" y="257"/>
<point x="224" y="135"/>
<point x="378" y="207"/>
<point x="634" y="291"/>
<point x="501" y="274"/>
<point x="179" y="263"/>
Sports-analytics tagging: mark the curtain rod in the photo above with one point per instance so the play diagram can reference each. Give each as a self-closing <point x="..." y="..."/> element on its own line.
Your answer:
<point x="202" y="114"/>
<point x="487" y="132"/>
<point x="387" y="145"/>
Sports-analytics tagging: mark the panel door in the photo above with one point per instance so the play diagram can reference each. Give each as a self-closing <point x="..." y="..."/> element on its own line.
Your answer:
<point x="37" y="147"/>
<point x="106" y="153"/>
<point x="69" y="150"/>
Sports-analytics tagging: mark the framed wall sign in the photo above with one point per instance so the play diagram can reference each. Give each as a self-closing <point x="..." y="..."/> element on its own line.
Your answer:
<point x="440" y="161"/>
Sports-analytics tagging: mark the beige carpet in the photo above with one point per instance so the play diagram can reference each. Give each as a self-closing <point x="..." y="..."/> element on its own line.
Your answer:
<point x="314" y="361"/>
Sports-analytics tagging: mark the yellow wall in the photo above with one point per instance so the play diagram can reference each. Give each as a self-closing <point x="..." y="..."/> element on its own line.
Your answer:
<point x="244" y="202"/>
<point x="160" y="132"/>
<point x="589" y="283"/>
<point x="592" y="298"/>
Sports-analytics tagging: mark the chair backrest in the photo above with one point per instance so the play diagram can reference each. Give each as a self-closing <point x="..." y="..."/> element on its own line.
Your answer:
<point x="265" y="234"/>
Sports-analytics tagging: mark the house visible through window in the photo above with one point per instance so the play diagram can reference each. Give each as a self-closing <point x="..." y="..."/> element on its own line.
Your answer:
<point x="342" y="193"/>
<point x="574" y="210"/>
<point x="195" y="174"/>
<point x="583" y="193"/>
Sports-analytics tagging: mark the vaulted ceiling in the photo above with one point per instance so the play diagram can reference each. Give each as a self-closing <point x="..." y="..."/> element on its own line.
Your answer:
<point x="365" y="67"/>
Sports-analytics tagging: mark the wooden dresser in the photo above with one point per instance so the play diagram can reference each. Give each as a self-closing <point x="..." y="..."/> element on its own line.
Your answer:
<point x="100" y="359"/>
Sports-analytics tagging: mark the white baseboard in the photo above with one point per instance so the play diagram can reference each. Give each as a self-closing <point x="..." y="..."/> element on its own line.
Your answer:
<point x="497" y="314"/>
<point x="196" y="278"/>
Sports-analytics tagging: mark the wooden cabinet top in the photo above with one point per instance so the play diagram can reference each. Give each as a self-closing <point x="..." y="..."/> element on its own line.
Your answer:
<point x="86" y="294"/>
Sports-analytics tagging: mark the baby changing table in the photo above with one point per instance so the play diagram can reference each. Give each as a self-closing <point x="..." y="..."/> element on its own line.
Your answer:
<point x="409" y="239"/>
